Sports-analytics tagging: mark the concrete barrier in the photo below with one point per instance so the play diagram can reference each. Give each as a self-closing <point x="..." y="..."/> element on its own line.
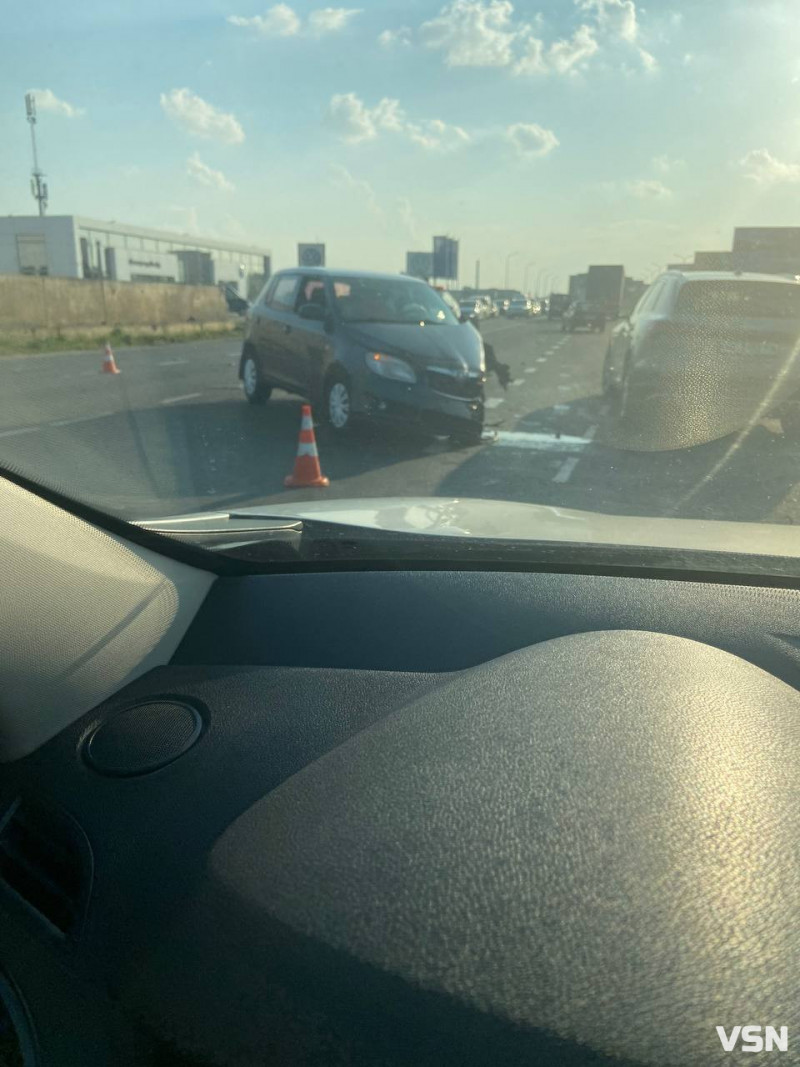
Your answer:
<point x="49" y="305"/>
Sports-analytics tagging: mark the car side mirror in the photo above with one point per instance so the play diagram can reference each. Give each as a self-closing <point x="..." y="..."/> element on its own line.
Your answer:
<point x="312" y="312"/>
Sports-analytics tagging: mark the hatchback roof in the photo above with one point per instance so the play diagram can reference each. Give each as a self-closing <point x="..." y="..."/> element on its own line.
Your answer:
<point x="732" y="276"/>
<point x="329" y="272"/>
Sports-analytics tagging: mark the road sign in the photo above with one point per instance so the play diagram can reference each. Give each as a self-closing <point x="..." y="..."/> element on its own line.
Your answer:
<point x="445" y="258"/>
<point x="309" y="255"/>
<point x="419" y="264"/>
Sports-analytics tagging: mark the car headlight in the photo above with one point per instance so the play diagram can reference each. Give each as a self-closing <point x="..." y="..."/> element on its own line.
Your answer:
<point x="397" y="370"/>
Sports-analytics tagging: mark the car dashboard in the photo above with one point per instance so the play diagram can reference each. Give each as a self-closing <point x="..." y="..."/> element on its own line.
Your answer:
<point x="419" y="817"/>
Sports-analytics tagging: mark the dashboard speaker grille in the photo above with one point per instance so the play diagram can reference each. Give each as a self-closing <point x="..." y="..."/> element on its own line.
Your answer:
<point x="143" y="738"/>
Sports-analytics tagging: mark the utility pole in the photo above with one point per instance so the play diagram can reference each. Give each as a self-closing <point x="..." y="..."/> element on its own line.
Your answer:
<point x="509" y="257"/>
<point x="38" y="185"/>
<point x="527" y="268"/>
<point x="477" y="274"/>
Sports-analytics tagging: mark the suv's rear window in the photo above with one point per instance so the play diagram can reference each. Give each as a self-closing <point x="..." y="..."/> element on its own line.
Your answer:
<point x="747" y="300"/>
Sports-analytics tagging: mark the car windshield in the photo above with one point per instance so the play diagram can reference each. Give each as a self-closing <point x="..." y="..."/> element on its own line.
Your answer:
<point x="389" y="300"/>
<point x="534" y="268"/>
<point x="741" y="299"/>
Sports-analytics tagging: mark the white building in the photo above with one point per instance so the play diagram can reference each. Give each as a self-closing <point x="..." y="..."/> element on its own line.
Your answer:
<point x="71" y="246"/>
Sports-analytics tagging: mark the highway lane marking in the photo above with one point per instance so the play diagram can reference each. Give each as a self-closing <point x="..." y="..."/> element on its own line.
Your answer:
<point x="82" y="418"/>
<point x="540" y="442"/>
<point x="178" y="399"/>
<point x="517" y="381"/>
<point x="541" y="359"/>
<point x="564" y="472"/>
<point x="494" y="402"/>
<point x="22" y="429"/>
<point x="529" y="370"/>
<point x="173" y="362"/>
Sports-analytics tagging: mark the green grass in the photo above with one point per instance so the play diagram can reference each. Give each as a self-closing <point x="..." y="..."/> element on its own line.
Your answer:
<point x="16" y="345"/>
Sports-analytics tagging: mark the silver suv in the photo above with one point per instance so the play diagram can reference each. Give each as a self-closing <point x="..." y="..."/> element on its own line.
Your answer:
<point x="703" y="354"/>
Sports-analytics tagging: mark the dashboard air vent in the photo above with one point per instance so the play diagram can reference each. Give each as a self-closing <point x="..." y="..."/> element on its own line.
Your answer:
<point x="46" y="863"/>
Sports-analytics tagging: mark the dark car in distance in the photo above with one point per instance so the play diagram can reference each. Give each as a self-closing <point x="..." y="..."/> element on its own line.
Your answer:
<point x="360" y="344"/>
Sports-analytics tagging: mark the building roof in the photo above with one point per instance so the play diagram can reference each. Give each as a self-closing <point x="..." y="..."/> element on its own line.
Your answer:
<point x="122" y="228"/>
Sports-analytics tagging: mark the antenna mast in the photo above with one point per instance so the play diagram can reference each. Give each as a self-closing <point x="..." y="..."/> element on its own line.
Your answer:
<point x="38" y="185"/>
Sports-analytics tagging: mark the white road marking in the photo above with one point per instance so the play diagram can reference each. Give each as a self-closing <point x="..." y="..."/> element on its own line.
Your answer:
<point x="178" y="399"/>
<point x="550" y="352"/>
<point x="564" y="472"/>
<point x="541" y="359"/>
<point x="529" y="370"/>
<point x="560" y="408"/>
<point x="517" y="381"/>
<point x="172" y="362"/>
<point x="540" y="442"/>
<point x="15" y="433"/>
<point x="494" y="402"/>
<point x="82" y="418"/>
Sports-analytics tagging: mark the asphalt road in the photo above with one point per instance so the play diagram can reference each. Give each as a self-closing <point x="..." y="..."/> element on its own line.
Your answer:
<point x="172" y="433"/>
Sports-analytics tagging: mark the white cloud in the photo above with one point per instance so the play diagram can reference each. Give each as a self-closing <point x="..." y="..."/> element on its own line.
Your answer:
<point x="206" y="175"/>
<point x="355" y="122"/>
<point x="617" y="16"/>
<point x="351" y="119"/>
<point x="531" y="140"/>
<point x="400" y="37"/>
<point x="279" y="21"/>
<point x="388" y="115"/>
<point x="189" y="222"/>
<point x="436" y="135"/>
<point x="46" y="100"/>
<point x="472" y="33"/>
<point x="761" y="167"/>
<point x="408" y="219"/>
<point x="282" y="21"/>
<point x="619" y="19"/>
<point x="331" y="19"/>
<point x="564" y="56"/>
<point x="648" y="189"/>
<point x="665" y="164"/>
<point x="343" y="179"/>
<point x="532" y="60"/>
<point x="200" y="118"/>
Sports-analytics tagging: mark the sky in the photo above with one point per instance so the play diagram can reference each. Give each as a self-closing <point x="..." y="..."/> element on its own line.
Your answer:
<point x="543" y="135"/>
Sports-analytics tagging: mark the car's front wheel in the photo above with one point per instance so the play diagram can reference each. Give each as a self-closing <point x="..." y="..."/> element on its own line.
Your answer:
<point x="256" y="390"/>
<point x="338" y="404"/>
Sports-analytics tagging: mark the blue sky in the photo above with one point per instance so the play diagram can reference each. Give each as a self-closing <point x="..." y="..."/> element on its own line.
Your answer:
<point x="567" y="131"/>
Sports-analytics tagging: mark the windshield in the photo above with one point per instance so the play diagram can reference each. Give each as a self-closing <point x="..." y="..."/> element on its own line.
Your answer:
<point x="512" y="255"/>
<point x="742" y="300"/>
<point x="390" y="301"/>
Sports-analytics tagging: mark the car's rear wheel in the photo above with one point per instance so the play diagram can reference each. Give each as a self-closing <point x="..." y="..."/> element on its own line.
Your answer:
<point x="338" y="404"/>
<point x="256" y="390"/>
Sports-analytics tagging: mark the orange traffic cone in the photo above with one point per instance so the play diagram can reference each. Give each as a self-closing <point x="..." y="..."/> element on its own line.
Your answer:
<point x="109" y="363"/>
<point x="306" y="473"/>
